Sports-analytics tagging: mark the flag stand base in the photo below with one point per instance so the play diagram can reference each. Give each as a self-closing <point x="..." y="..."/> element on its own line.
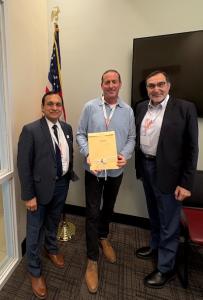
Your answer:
<point x="65" y="231"/>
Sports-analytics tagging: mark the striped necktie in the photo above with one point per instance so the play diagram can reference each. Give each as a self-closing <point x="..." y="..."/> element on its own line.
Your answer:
<point x="57" y="153"/>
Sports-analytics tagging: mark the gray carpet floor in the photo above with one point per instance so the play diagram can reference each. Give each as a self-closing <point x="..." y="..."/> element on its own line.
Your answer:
<point x="120" y="281"/>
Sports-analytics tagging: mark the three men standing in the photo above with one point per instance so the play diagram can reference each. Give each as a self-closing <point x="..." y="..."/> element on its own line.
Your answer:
<point x="45" y="166"/>
<point x="166" y="159"/>
<point x="105" y="113"/>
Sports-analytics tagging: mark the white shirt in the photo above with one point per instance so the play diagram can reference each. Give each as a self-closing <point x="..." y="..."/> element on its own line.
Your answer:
<point x="63" y="145"/>
<point x="151" y="126"/>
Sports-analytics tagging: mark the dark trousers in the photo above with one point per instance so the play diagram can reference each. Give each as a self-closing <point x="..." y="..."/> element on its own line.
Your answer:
<point x="42" y="226"/>
<point x="97" y="217"/>
<point x="164" y="213"/>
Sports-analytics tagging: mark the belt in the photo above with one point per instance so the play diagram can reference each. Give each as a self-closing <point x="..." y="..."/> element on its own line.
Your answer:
<point x="148" y="156"/>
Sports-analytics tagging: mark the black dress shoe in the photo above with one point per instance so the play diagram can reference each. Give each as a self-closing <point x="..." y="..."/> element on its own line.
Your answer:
<point x="145" y="252"/>
<point x="157" y="279"/>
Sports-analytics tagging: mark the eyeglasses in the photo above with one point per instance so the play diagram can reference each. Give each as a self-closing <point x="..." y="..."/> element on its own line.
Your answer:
<point x="51" y="104"/>
<point x="160" y="84"/>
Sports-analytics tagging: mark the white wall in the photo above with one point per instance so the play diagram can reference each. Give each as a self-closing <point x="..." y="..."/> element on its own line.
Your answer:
<point x="95" y="35"/>
<point x="27" y="51"/>
<point x="98" y="35"/>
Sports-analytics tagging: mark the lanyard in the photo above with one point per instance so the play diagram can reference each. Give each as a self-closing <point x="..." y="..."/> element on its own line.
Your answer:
<point x="107" y="119"/>
<point x="148" y="123"/>
<point x="55" y="139"/>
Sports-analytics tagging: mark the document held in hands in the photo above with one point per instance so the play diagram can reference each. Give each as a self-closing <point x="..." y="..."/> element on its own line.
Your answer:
<point x="102" y="150"/>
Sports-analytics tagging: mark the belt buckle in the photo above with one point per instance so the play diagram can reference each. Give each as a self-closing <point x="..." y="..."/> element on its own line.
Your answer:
<point x="150" y="157"/>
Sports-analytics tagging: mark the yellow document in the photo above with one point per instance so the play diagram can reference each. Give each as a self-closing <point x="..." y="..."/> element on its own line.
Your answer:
<point x="102" y="150"/>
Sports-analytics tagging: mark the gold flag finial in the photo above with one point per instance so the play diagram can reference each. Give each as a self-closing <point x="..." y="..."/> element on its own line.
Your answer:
<point x="54" y="14"/>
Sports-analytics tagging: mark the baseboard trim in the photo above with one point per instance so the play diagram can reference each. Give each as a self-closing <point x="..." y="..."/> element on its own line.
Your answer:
<point x="23" y="247"/>
<point x="117" y="218"/>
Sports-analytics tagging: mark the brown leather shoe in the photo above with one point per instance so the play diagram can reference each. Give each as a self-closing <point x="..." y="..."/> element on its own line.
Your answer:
<point x="56" y="259"/>
<point x="91" y="276"/>
<point x="39" y="287"/>
<point x="108" y="250"/>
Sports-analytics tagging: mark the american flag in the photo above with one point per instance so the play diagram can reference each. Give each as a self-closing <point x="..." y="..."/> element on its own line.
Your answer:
<point x="54" y="76"/>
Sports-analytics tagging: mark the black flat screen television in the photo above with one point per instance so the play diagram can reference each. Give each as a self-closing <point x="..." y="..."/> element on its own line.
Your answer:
<point x="180" y="55"/>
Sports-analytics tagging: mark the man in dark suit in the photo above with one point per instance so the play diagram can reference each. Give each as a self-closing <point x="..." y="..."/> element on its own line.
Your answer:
<point x="45" y="166"/>
<point x="166" y="159"/>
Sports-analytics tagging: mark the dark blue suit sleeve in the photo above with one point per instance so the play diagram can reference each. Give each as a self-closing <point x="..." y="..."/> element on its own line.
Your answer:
<point x="191" y="151"/>
<point x="25" y="164"/>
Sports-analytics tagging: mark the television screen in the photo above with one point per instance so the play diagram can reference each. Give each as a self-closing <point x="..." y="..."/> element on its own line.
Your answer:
<point x="180" y="55"/>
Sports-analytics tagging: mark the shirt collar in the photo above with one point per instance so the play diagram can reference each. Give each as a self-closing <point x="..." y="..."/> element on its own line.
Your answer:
<point x="160" y="105"/>
<point x="50" y="124"/>
<point x="118" y="103"/>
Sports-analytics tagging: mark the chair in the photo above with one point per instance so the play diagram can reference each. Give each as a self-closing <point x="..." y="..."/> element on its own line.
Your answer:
<point x="192" y="223"/>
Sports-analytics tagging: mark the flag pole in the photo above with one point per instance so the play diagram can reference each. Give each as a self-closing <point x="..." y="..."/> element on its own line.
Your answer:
<point x="54" y="14"/>
<point x="66" y="229"/>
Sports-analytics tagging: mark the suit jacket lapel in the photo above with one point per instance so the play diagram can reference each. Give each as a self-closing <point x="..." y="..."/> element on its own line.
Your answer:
<point x="47" y="135"/>
<point x="139" y="115"/>
<point x="66" y="133"/>
<point x="167" y="118"/>
<point x="143" y="111"/>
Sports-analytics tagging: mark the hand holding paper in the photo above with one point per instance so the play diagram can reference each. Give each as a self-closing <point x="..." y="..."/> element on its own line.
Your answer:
<point x="89" y="163"/>
<point x="121" y="161"/>
<point x="102" y="151"/>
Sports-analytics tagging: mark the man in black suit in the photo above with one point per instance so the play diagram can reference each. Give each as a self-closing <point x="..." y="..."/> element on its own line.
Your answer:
<point x="166" y="159"/>
<point x="45" y="166"/>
